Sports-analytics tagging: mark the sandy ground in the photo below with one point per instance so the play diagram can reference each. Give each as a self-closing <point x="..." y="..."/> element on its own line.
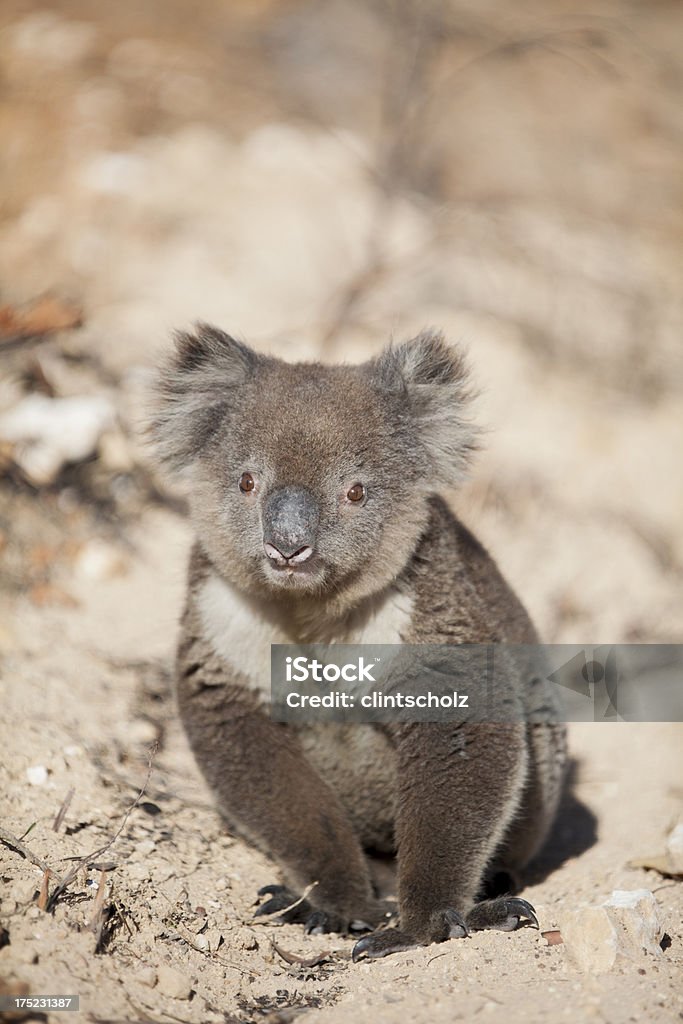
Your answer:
<point x="283" y="170"/>
<point x="85" y="693"/>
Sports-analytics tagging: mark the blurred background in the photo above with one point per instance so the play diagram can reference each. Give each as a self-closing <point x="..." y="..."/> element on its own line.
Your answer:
<point x="318" y="177"/>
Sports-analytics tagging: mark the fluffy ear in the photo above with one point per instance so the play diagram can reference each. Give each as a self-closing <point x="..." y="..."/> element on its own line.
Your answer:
<point x="194" y="391"/>
<point x="430" y="381"/>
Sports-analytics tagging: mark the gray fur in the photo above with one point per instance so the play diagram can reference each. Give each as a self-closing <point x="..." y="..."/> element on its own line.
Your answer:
<point x="396" y="566"/>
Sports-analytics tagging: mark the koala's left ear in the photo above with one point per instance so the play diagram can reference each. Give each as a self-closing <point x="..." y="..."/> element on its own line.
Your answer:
<point x="430" y="379"/>
<point x="195" y="390"/>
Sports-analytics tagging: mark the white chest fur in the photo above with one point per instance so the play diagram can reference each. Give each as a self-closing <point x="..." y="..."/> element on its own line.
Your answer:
<point x="241" y="629"/>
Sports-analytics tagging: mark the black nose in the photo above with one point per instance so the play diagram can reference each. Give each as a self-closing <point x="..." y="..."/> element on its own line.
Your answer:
<point x="290" y="524"/>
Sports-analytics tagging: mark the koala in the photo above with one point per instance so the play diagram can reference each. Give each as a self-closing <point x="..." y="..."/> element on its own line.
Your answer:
<point x="314" y="491"/>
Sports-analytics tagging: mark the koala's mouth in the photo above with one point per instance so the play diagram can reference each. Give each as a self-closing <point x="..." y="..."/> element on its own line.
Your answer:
<point x="306" y="575"/>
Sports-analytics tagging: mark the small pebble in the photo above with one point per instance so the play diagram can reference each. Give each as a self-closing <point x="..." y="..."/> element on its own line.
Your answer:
<point x="37" y="774"/>
<point x="173" y="983"/>
<point x="147" y="976"/>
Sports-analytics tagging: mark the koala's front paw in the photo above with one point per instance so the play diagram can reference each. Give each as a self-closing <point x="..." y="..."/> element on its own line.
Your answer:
<point x="507" y="913"/>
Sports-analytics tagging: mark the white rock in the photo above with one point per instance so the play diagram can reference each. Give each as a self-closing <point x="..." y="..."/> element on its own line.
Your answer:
<point x="73" y="750"/>
<point x="174" y="983"/>
<point x="243" y="938"/>
<point x="214" y="937"/>
<point x="37" y="774"/>
<point x="140" y="730"/>
<point x="674" y="845"/>
<point x="147" y="976"/>
<point x="626" y="925"/>
<point x="635" y="913"/>
<point x="50" y="432"/>
<point x="98" y="560"/>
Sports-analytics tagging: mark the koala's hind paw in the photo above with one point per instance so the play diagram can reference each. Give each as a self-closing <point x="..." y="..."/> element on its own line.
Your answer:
<point x="291" y="910"/>
<point x="506" y="913"/>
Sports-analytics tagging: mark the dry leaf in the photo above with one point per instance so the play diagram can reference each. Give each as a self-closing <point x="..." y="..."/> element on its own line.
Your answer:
<point x="46" y="315"/>
<point x="302" y="961"/>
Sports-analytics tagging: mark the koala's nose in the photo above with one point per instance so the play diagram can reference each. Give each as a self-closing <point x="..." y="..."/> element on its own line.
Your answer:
<point x="290" y="524"/>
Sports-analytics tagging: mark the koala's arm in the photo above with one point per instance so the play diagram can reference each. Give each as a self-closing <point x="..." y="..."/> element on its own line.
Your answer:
<point x="271" y="794"/>
<point x="458" y="788"/>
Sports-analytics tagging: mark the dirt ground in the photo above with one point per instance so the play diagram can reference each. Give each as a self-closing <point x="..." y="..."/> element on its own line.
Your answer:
<point x="318" y="177"/>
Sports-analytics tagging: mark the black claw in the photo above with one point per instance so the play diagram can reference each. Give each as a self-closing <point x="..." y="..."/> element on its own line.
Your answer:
<point x="457" y="929"/>
<point x="383" y="944"/>
<point x="522" y="908"/>
<point x="506" y="913"/>
<point x="318" y="923"/>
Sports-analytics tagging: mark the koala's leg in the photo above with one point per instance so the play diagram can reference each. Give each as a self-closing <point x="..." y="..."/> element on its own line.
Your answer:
<point x="458" y="789"/>
<point x="547" y="743"/>
<point x="270" y="793"/>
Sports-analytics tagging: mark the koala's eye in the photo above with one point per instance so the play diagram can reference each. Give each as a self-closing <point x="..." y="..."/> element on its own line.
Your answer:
<point x="356" y="493"/>
<point x="247" y="483"/>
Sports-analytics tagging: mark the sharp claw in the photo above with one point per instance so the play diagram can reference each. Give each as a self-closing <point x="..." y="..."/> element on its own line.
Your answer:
<point x="522" y="908"/>
<point x="317" y="923"/>
<point x="383" y="943"/>
<point x="457" y="929"/>
<point x="360" y="948"/>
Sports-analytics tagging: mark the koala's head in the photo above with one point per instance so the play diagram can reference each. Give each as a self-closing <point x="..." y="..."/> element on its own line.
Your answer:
<point x="307" y="479"/>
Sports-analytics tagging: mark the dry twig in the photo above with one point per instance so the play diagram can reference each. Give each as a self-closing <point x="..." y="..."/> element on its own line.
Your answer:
<point x="83" y="861"/>
<point x="61" y="813"/>
<point x="267" y="918"/>
<point x="16" y="844"/>
<point x="42" y="899"/>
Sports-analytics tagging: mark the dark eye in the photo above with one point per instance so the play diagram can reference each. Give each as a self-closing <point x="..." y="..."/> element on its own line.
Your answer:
<point x="247" y="483"/>
<point x="356" y="493"/>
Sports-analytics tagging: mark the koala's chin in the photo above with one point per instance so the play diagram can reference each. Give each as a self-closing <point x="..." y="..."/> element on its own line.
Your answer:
<point x="309" y="578"/>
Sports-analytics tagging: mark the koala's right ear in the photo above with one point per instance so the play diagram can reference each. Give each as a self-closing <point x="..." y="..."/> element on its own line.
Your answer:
<point x="431" y="381"/>
<point x="194" y="391"/>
